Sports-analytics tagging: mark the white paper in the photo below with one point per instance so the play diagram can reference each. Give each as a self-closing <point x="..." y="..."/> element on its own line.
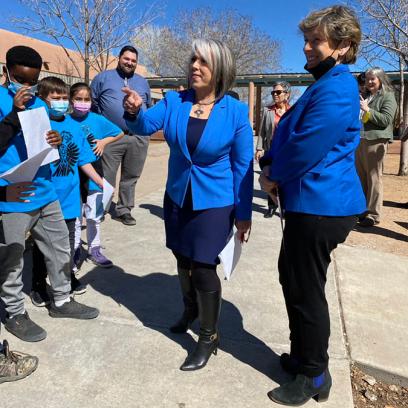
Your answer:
<point x="230" y="255"/>
<point x="107" y="194"/>
<point x="35" y="124"/>
<point x="26" y="170"/>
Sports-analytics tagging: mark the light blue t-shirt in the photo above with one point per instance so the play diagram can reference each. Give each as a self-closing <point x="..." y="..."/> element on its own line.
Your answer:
<point x="96" y="127"/>
<point x="74" y="152"/>
<point x="16" y="153"/>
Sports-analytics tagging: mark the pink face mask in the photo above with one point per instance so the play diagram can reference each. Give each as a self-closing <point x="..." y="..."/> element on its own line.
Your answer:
<point x="81" y="108"/>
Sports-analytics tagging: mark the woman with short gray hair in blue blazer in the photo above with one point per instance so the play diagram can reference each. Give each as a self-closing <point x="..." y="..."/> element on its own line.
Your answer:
<point x="209" y="184"/>
<point x="312" y="166"/>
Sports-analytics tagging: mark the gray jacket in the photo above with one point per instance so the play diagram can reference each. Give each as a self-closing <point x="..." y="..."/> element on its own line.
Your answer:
<point x="266" y="130"/>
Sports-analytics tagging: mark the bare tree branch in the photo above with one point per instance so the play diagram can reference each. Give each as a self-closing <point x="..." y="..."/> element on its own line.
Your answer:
<point x="93" y="28"/>
<point x="165" y="49"/>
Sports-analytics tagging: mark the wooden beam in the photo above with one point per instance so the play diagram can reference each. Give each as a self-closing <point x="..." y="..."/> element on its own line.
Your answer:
<point x="251" y="100"/>
<point x="258" y="106"/>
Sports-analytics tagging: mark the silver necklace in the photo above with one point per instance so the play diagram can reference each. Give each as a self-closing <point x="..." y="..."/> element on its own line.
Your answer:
<point x="199" y="111"/>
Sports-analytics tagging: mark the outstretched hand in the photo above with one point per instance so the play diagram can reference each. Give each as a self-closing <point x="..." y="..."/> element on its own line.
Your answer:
<point x="132" y="102"/>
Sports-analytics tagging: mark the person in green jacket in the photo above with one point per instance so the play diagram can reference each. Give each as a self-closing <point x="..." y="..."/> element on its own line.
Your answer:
<point x="379" y="110"/>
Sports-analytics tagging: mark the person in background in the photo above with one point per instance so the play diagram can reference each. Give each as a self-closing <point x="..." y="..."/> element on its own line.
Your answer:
<point x="270" y="118"/>
<point x="378" y="113"/>
<point x="130" y="151"/>
<point x="99" y="133"/>
<point x="311" y="165"/>
<point x="74" y="153"/>
<point x="209" y="185"/>
<point x="362" y="85"/>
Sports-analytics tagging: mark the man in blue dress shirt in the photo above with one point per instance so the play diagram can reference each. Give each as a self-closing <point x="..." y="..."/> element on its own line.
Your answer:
<point x="129" y="152"/>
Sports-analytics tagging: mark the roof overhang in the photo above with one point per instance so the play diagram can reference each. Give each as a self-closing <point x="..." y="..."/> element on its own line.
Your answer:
<point x="295" y="79"/>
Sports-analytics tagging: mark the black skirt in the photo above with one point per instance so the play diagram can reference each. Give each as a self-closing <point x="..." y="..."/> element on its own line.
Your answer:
<point x="198" y="235"/>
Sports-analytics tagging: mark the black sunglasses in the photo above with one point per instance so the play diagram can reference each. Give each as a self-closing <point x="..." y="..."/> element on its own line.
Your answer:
<point x="277" y="92"/>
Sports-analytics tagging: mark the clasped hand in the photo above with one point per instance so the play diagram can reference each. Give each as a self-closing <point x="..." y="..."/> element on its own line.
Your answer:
<point x="364" y="104"/>
<point x="132" y="102"/>
<point x="269" y="186"/>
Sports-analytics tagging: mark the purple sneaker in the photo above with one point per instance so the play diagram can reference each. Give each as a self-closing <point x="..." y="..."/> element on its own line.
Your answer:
<point x="98" y="258"/>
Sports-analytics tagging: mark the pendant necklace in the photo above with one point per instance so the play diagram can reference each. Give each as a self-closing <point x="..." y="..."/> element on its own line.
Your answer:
<point x="199" y="111"/>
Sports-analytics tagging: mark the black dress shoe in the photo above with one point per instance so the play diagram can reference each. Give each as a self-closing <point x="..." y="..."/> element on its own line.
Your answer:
<point x="302" y="389"/>
<point x="268" y="213"/>
<point x="126" y="219"/>
<point x="367" y="222"/>
<point x="289" y="364"/>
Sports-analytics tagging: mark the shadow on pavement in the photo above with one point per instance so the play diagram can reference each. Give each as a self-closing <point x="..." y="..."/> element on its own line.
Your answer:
<point x="154" y="209"/>
<point x="155" y="300"/>
<point x="381" y="231"/>
<point x="394" y="204"/>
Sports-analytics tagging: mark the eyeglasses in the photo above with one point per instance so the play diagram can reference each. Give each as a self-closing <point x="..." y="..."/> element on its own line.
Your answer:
<point x="277" y="92"/>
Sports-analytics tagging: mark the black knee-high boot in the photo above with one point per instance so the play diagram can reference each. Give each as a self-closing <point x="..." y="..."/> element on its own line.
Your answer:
<point x="209" y="306"/>
<point x="190" y="302"/>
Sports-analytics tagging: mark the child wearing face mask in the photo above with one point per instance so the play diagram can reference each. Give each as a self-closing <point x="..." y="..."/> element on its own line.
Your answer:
<point x="99" y="132"/>
<point x="75" y="154"/>
<point x="40" y="214"/>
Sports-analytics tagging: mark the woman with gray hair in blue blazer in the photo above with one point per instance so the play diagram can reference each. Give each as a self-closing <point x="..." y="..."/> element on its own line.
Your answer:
<point x="209" y="184"/>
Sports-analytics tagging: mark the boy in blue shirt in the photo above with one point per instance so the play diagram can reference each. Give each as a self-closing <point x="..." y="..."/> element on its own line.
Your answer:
<point x="41" y="216"/>
<point x="75" y="155"/>
<point x="15" y="365"/>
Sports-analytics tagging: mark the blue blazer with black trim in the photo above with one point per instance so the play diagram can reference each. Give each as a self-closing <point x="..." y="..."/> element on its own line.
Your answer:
<point x="313" y="149"/>
<point x="220" y="168"/>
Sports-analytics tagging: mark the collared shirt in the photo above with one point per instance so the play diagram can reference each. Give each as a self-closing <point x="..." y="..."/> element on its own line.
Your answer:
<point x="107" y="95"/>
<point x="276" y="114"/>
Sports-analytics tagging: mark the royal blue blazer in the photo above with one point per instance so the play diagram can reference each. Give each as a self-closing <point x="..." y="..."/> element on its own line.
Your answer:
<point x="313" y="149"/>
<point x="220" y="169"/>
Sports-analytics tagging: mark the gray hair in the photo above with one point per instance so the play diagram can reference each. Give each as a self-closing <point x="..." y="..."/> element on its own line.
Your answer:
<point x="285" y="85"/>
<point x="220" y="61"/>
<point x="386" y="85"/>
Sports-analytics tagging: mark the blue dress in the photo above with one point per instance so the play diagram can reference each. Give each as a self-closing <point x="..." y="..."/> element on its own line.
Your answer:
<point x="198" y="235"/>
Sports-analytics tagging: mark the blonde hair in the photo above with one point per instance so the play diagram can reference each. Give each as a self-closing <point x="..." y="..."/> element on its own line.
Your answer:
<point x="339" y="24"/>
<point x="220" y="61"/>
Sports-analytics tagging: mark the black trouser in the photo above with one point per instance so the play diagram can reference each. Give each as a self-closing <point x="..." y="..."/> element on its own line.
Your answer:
<point x="304" y="258"/>
<point x="204" y="276"/>
<point x="39" y="272"/>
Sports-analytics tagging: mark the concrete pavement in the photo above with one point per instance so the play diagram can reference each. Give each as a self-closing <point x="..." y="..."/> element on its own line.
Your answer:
<point x="128" y="358"/>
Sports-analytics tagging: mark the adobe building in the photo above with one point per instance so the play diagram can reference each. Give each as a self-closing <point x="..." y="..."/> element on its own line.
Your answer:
<point x="56" y="62"/>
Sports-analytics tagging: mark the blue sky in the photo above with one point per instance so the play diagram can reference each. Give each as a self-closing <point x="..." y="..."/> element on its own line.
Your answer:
<point x="277" y="18"/>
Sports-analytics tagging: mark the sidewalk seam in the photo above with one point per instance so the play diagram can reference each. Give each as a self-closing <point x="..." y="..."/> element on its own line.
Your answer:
<point x="342" y="318"/>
